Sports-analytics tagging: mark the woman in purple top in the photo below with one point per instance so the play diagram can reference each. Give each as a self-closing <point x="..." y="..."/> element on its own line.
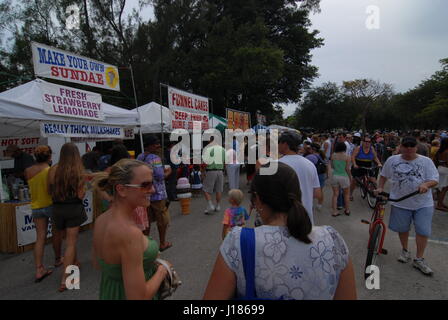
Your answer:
<point x="158" y="209"/>
<point x="317" y="157"/>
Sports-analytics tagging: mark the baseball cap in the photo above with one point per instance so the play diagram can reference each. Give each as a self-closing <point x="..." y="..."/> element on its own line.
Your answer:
<point x="151" y="140"/>
<point x="409" y="141"/>
<point x="357" y="134"/>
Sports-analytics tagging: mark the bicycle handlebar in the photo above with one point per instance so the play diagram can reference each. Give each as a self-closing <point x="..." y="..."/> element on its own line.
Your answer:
<point x="368" y="168"/>
<point x="385" y="194"/>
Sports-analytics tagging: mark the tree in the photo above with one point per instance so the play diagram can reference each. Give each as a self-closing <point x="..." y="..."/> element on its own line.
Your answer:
<point x="366" y="93"/>
<point x="325" y="108"/>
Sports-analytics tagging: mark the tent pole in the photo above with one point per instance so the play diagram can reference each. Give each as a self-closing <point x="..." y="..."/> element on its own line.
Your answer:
<point x="161" y="122"/>
<point x="138" y="110"/>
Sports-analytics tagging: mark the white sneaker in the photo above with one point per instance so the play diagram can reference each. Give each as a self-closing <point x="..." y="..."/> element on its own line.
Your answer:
<point x="404" y="257"/>
<point x="218" y="207"/>
<point x="421" y="265"/>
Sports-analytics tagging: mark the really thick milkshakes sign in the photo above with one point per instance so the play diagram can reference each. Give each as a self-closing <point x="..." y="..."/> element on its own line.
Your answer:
<point x="58" y="64"/>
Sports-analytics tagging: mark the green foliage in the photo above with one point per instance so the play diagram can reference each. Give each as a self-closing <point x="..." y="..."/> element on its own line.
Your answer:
<point x="368" y="104"/>
<point x="249" y="55"/>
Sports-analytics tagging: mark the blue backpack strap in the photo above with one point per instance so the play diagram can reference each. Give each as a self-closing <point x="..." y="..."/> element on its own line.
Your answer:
<point x="247" y="244"/>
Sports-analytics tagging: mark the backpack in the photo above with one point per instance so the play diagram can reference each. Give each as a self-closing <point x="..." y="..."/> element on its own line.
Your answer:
<point x="321" y="166"/>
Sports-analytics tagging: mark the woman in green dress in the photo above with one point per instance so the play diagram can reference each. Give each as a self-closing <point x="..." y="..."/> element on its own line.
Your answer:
<point x="124" y="255"/>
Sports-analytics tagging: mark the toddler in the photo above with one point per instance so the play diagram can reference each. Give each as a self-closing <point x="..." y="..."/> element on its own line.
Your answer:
<point x="235" y="215"/>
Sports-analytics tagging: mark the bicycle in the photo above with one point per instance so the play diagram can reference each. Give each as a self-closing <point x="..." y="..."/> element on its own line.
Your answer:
<point x="377" y="229"/>
<point x="366" y="186"/>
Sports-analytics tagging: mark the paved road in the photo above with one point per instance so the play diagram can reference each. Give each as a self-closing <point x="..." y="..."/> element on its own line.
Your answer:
<point x="197" y="237"/>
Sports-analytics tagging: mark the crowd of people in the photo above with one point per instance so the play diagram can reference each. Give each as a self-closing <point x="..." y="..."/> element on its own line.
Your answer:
<point x="285" y="248"/>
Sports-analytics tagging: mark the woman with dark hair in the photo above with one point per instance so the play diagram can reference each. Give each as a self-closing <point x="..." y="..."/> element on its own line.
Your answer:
<point x="67" y="188"/>
<point x="441" y="161"/>
<point x="292" y="259"/>
<point x="119" y="151"/>
<point x="340" y="163"/>
<point x="317" y="157"/>
<point x="42" y="210"/>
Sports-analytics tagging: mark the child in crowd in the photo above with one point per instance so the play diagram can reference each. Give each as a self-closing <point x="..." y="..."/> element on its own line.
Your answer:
<point x="195" y="180"/>
<point x="235" y="215"/>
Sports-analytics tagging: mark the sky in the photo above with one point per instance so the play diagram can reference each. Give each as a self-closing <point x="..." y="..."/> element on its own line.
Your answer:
<point x="405" y="50"/>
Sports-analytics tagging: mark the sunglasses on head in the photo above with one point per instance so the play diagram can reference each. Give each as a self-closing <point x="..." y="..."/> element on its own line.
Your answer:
<point x="147" y="185"/>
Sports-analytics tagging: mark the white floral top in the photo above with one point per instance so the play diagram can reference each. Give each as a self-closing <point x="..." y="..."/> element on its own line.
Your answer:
<point x="286" y="268"/>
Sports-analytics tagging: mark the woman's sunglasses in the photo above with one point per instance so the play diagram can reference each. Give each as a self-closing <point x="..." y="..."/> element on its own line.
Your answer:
<point x="147" y="185"/>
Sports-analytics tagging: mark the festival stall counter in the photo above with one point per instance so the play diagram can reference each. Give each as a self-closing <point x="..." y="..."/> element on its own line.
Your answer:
<point x="17" y="230"/>
<point x="50" y="112"/>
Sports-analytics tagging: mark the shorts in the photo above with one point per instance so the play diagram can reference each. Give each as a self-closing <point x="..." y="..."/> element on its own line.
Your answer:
<point x="46" y="212"/>
<point x="322" y="179"/>
<point x="157" y="211"/>
<point x="361" y="172"/>
<point x="400" y="220"/>
<point x="341" y="181"/>
<point x="68" y="215"/>
<point x="213" y="182"/>
<point x="443" y="177"/>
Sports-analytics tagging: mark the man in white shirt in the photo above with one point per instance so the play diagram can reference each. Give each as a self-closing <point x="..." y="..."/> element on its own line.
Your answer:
<point x="409" y="172"/>
<point x="288" y="146"/>
<point x="326" y="147"/>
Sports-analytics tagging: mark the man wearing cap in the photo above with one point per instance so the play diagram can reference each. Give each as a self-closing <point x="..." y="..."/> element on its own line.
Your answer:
<point x="22" y="160"/>
<point x="288" y="146"/>
<point x="409" y="172"/>
<point x="214" y="157"/>
<point x="157" y="209"/>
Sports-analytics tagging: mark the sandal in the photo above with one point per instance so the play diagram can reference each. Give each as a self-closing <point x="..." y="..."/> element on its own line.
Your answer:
<point x="167" y="246"/>
<point x="442" y="208"/>
<point x="58" y="262"/>
<point x="347" y="212"/>
<point x="44" y="275"/>
<point x="62" y="287"/>
<point x="335" y="215"/>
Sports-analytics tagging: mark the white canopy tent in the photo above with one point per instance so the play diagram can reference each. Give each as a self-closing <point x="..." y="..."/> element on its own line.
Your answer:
<point x="282" y="128"/>
<point x="150" y="116"/>
<point x="22" y="110"/>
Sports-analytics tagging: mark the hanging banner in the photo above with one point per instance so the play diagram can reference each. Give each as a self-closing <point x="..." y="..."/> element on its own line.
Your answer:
<point x="238" y="119"/>
<point x="62" y="65"/>
<point x="54" y="129"/>
<point x="26" y="144"/>
<point x="70" y="102"/>
<point x="186" y="108"/>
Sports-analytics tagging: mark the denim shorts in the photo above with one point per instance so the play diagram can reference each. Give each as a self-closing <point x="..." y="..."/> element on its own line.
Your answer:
<point x="400" y="220"/>
<point x="322" y="179"/>
<point x="46" y="212"/>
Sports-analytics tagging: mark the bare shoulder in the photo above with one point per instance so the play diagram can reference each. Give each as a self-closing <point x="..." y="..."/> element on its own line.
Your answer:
<point x="119" y="235"/>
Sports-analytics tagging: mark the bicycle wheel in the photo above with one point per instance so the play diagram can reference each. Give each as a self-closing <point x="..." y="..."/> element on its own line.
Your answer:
<point x="371" y="199"/>
<point x="363" y="191"/>
<point x="372" y="252"/>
